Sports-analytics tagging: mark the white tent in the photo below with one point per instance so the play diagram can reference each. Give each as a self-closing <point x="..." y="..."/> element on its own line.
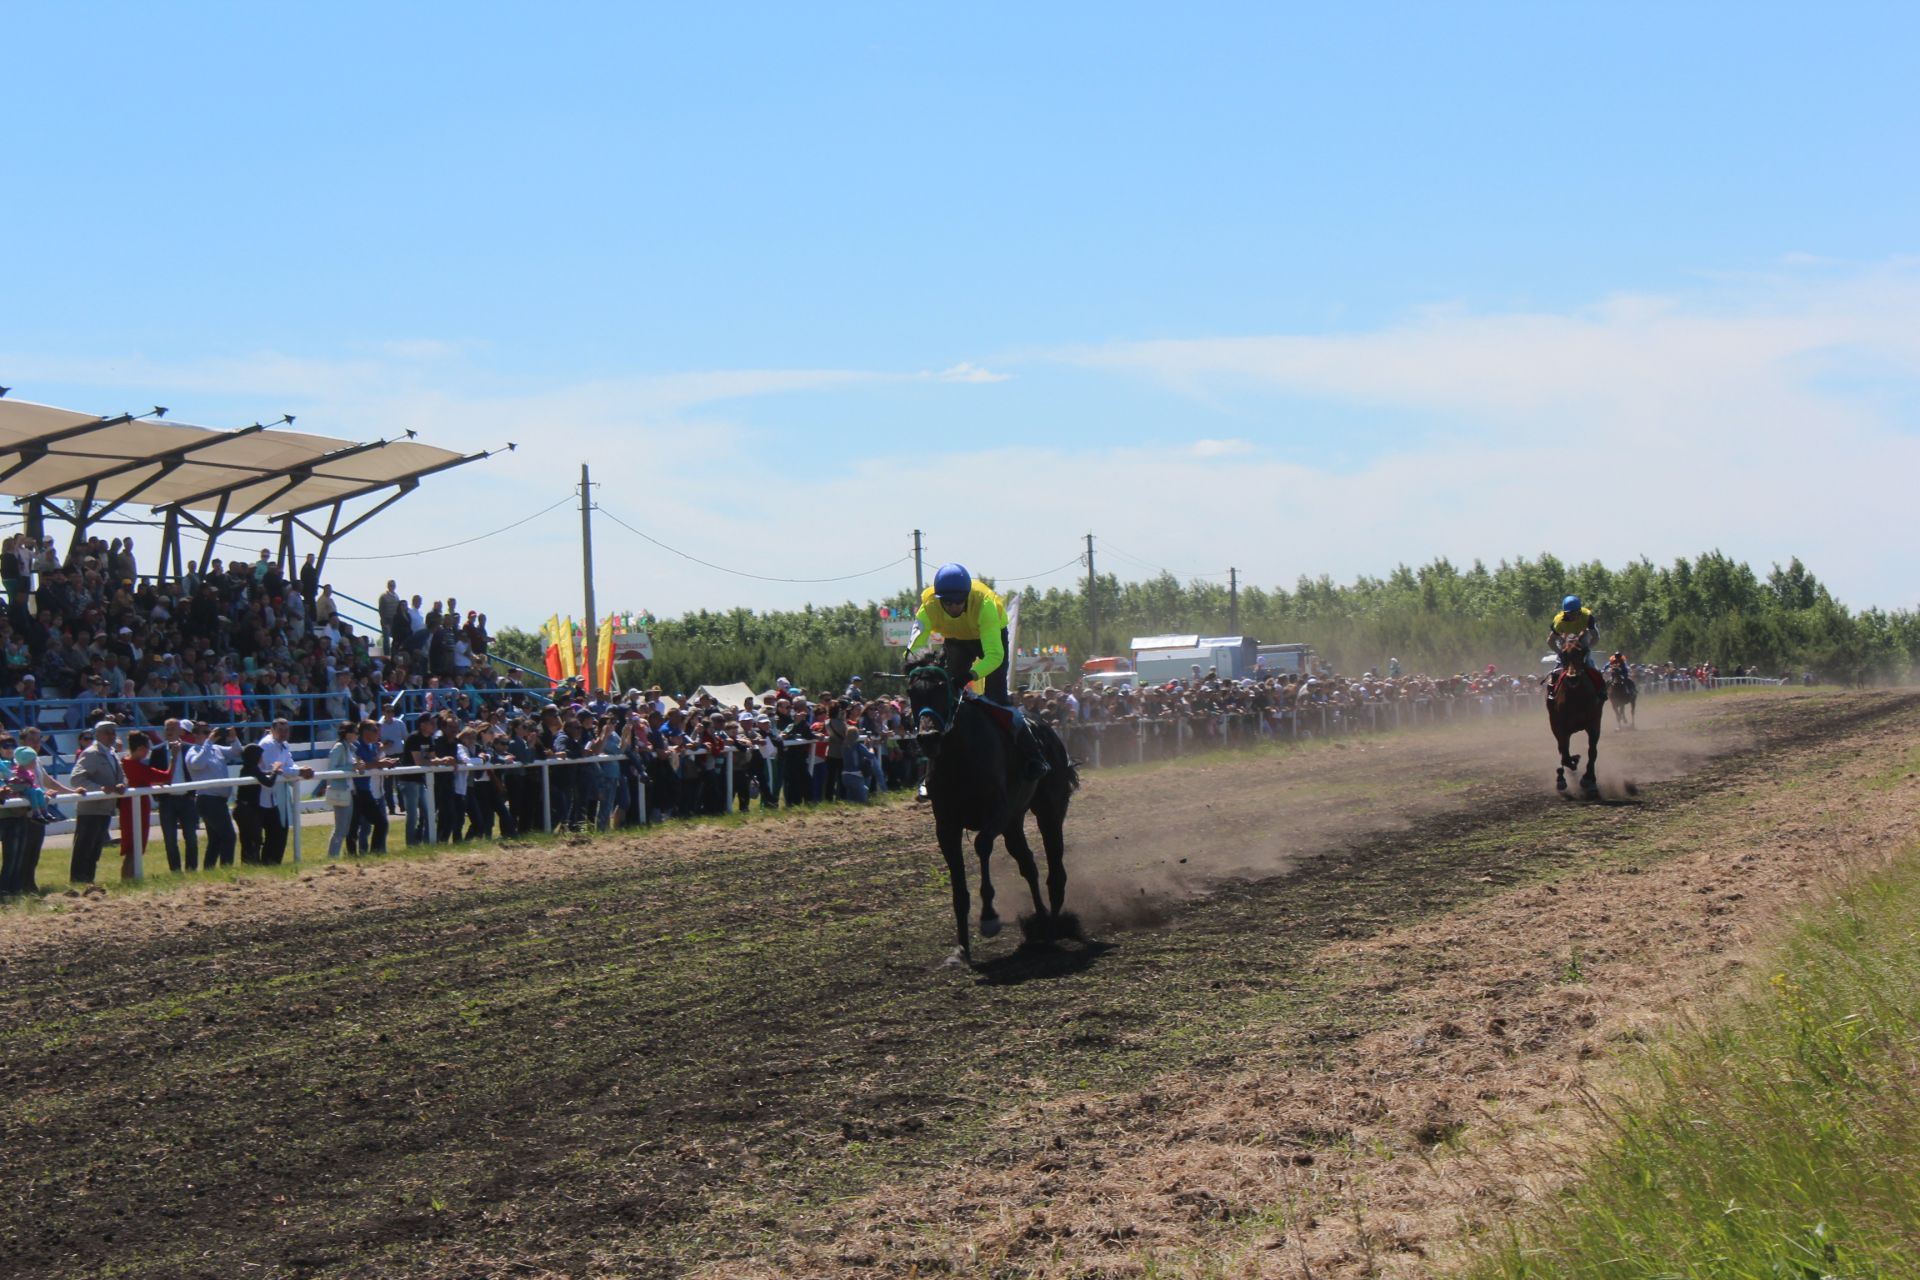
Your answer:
<point x="728" y="695"/>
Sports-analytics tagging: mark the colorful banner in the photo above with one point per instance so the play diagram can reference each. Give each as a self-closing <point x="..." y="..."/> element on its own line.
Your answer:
<point x="570" y="649"/>
<point x="555" y="671"/>
<point x="895" y="632"/>
<point x="603" y="653"/>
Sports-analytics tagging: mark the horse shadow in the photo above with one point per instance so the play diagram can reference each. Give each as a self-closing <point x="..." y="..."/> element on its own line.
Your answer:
<point x="1043" y="963"/>
<point x="1603" y="800"/>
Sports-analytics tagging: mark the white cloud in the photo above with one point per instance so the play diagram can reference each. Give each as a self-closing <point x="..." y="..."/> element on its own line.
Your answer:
<point x="1641" y="363"/>
<point x="967" y="371"/>
<point x="1219" y="448"/>
<point x="1639" y="425"/>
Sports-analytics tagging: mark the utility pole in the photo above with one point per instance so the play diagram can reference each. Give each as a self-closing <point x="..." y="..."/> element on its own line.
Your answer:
<point x="1233" y="602"/>
<point x="586" y="569"/>
<point x="1093" y="604"/>
<point x="919" y="571"/>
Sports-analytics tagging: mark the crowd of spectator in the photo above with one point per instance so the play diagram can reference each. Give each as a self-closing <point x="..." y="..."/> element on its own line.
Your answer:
<point x="609" y="764"/>
<point x="642" y="757"/>
<point x="239" y="643"/>
<point x="1268" y="700"/>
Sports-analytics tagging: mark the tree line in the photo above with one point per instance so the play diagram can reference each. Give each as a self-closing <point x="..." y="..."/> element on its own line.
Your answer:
<point x="1438" y="618"/>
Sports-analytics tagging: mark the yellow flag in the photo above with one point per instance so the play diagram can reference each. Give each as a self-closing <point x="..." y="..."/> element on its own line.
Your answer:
<point x="603" y="654"/>
<point x="570" y="650"/>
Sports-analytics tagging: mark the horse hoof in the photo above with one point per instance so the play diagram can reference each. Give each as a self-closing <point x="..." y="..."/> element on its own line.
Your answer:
<point x="1560" y="784"/>
<point x="989" y="926"/>
<point x="958" y="959"/>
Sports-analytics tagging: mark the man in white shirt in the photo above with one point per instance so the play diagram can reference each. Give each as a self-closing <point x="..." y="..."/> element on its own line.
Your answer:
<point x="277" y="803"/>
<point x="418" y="636"/>
<point x="204" y="761"/>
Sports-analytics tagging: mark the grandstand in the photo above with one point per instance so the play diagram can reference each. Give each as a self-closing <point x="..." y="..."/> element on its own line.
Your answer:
<point x="86" y="471"/>
<point x="192" y="486"/>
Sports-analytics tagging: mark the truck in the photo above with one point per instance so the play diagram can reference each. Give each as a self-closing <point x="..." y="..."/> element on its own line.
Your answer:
<point x="1174" y="657"/>
<point x="1285" y="659"/>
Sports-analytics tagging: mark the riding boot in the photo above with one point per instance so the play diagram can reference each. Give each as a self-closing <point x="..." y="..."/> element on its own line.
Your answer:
<point x="1033" y="759"/>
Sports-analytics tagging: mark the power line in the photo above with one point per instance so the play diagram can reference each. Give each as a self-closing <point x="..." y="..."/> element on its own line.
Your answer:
<point x="398" y="555"/>
<point x="741" y="573"/>
<point x="1148" y="564"/>
<point x="1077" y="560"/>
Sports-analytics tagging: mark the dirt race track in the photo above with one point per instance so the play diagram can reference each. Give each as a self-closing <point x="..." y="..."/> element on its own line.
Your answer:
<point x="1338" y="1001"/>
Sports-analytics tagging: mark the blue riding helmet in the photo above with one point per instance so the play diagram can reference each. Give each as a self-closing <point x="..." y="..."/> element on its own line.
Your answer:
<point x="1571" y="604"/>
<point x="952" y="582"/>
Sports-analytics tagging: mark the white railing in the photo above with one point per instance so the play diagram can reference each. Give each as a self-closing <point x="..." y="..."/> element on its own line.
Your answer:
<point x="285" y="788"/>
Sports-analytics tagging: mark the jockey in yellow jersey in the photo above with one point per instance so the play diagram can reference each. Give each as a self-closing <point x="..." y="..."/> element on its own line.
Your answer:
<point x="973" y="620"/>
<point x="1575" y="626"/>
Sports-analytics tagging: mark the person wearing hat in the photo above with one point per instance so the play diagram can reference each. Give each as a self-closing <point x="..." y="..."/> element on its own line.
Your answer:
<point x="973" y="619"/>
<point x="853" y="691"/>
<point x="98" y="775"/>
<point x="796" y="756"/>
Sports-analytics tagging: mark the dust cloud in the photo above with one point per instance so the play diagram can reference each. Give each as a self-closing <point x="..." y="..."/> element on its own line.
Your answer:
<point x="1142" y="841"/>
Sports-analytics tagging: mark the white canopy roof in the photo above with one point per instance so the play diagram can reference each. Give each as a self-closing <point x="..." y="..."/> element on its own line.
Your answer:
<point x="58" y="453"/>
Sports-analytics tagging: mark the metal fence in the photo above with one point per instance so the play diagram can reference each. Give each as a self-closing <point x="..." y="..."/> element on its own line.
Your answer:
<point x="286" y="790"/>
<point x="313" y="717"/>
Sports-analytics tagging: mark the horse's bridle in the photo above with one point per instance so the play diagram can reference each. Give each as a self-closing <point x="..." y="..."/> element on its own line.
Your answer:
<point x="943" y="715"/>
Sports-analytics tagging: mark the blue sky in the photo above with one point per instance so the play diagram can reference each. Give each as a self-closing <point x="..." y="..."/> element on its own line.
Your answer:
<point x="1293" y="288"/>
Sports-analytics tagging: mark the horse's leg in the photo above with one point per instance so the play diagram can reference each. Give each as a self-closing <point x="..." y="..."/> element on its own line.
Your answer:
<point x="1053" y="835"/>
<point x="1566" y="761"/>
<point x="1039" y="926"/>
<point x="1589" y="785"/>
<point x="957" y="873"/>
<point x="989" y="918"/>
<point x="1022" y="851"/>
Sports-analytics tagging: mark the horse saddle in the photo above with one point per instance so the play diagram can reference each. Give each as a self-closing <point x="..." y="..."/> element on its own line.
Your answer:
<point x="1002" y="716"/>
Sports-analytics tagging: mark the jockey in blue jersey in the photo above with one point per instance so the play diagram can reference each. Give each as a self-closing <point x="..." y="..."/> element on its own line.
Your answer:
<point x="1575" y="626"/>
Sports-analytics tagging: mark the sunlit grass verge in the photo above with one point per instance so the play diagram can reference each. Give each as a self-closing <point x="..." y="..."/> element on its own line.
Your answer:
<point x="1782" y="1140"/>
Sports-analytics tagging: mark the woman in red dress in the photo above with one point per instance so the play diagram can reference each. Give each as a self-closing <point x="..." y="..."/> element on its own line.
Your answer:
<point x="139" y="774"/>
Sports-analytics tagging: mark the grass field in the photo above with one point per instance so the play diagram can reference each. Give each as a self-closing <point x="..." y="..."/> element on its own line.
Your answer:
<point x="1779" y="1138"/>
<point x="731" y="1046"/>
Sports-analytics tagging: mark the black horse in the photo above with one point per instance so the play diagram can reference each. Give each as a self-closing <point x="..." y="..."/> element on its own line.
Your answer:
<point x="974" y="781"/>
<point x="1624" y="698"/>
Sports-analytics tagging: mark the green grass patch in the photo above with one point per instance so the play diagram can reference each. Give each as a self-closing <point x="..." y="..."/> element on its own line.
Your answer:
<point x="1782" y="1140"/>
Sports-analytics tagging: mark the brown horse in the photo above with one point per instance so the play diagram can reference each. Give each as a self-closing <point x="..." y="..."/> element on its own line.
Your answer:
<point x="1624" y="699"/>
<point x="1575" y="705"/>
